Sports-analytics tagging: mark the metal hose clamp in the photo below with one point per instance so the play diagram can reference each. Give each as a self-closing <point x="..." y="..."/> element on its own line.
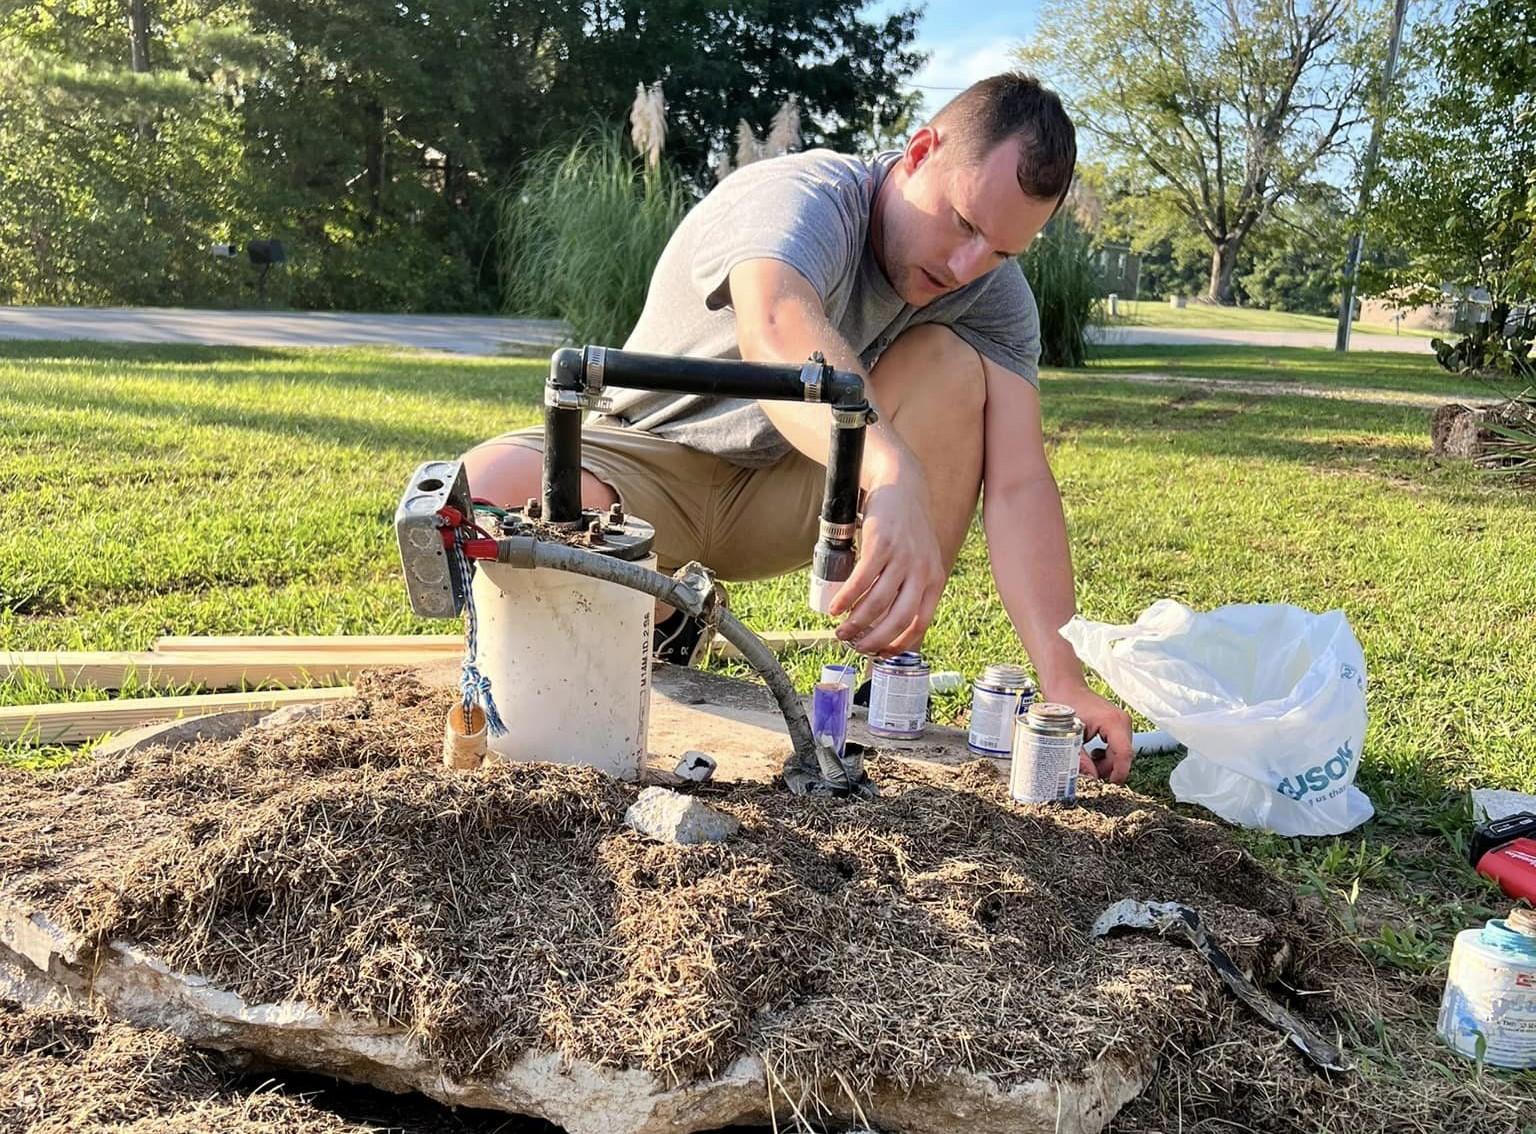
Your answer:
<point x="811" y="375"/>
<point x="854" y="418"/>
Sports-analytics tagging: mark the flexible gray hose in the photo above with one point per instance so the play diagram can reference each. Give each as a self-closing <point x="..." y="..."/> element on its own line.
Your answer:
<point x="674" y="593"/>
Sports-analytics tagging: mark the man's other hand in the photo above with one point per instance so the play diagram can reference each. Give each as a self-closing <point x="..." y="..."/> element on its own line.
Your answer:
<point x="896" y="584"/>
<point x="1103" y="719"/>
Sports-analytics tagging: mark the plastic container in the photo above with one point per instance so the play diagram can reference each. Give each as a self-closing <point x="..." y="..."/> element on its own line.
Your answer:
<point x="848" y="675"/>
<point x="569" y="660"/>
<point x="1490" y="993"/>
<point x="831" y="706"/>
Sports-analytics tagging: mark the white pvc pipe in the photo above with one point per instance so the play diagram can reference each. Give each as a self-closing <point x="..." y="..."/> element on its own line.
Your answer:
<point x="569" y="659"/>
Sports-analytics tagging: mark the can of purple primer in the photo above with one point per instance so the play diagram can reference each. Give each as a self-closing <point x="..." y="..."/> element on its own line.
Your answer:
<point x="831" y="705"/>
<point x="898" y="697"/>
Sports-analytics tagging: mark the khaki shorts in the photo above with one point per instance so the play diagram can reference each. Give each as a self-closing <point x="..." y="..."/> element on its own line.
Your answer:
<point x="740" y="523"/>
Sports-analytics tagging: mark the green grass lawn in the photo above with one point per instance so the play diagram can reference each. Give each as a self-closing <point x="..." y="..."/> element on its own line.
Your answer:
<point x="150" y="490"/>
<point x="1208" y="316"/>
<point x="1305" y="367"/>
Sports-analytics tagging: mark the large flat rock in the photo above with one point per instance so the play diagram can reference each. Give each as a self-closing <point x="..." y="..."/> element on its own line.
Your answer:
<point x="41" y="964"/>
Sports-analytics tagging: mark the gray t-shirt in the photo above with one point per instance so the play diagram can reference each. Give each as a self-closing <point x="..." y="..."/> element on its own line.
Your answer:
<point x="811" y="211"/>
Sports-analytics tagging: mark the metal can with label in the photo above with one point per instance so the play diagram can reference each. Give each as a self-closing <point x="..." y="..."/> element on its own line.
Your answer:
<point x="898" y="697"/>
<point x="1000" y="694"/>
<point x="1489" y="1008"/>
<point x="1046" y="744"/>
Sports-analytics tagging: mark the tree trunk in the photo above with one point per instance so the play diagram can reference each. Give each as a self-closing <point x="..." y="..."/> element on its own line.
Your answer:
<point x="138" y="34"/>
<point x="1223" y="261"/>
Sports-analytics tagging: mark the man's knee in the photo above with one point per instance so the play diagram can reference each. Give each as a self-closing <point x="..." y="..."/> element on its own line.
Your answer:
<point x="508" y="474"/>
<point x="931" y="371"/>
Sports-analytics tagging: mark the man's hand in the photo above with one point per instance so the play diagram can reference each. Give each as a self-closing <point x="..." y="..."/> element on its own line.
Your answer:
<point x="891" y="595"/>
<point x="1102" y="719"/>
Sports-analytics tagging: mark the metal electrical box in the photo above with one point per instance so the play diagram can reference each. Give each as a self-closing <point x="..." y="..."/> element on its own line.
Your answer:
<point x="436" y="579"/>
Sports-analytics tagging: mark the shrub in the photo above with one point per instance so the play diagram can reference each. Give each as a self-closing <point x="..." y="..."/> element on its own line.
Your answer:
<point x="1061" y="272"/>
<point x="580" y="234"/>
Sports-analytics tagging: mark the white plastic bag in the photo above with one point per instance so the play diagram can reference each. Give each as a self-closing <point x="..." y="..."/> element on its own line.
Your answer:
<point x="1268" y="698"/>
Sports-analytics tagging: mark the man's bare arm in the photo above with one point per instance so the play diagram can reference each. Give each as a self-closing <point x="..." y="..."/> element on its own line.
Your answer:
<point x="1031" y="559"/>
<point x="779" y="318"/>
<point x="892" y="593"/>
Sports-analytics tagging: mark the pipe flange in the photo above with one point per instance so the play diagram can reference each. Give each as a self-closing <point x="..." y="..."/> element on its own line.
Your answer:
<point x="631" y="540"/>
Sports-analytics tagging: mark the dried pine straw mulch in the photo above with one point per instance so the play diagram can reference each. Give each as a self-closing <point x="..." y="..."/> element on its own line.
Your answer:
<point x="64" y="1071"/>
<point x="334" y="861"/>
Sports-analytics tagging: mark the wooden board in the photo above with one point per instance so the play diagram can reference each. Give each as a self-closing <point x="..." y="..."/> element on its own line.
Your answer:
<point x="382" y="646"/>
<point x="230" y="662"/>
<point x="73" y="722"/>
<point x="213" y="670"/>
<point x="407" y="649"/>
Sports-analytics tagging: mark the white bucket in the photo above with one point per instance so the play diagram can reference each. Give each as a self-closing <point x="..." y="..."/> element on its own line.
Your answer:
<point x="569" y="660"/>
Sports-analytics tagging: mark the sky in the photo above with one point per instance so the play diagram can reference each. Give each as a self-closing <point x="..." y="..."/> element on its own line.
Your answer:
<point x="964" y="41"/>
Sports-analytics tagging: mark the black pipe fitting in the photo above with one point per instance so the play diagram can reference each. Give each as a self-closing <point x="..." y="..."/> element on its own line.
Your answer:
<point x="577" y="378"/>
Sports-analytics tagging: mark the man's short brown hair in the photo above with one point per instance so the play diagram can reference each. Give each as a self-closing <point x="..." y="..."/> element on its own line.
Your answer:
<point x="1015" y="105"/>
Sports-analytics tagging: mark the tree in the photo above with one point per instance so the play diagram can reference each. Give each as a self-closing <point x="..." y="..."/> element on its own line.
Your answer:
<point x="1230" y="106"/>
<point x="1293" y="264"/>
<point x="1175" y="258"/>
<point x="117" y="166"/>
<point x="722" y="62"/>
<point x="369" y="136"/>
<point x="1457" y="187"/>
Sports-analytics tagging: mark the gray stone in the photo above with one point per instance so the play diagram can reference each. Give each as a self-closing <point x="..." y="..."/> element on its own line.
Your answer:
<point x="1498" y="803"/>
<point x="173" y="734"/>
<point x="672" y="817"/>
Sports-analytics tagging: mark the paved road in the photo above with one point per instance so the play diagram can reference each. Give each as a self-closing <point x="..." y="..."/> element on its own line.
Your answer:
<point x="465" y="334"/>
<point x="470" y="334"/>
<point x="1168" y="336"/>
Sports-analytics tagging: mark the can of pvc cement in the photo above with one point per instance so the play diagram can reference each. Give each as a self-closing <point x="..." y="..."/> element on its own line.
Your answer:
<point x="1000" y="694"/>
<point x="898" y="696"/>
<point x="1046" y="742"/>
<point x="1490" y="994"/>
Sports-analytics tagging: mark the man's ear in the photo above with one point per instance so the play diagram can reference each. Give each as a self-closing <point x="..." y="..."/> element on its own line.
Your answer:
<point x="921" y="147"/>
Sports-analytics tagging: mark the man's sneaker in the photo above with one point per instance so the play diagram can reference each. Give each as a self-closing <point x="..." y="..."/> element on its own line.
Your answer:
<point x="681" y="639"/>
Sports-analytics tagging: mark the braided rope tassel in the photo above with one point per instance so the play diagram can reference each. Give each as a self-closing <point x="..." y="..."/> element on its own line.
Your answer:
<point x="474" y="685"/>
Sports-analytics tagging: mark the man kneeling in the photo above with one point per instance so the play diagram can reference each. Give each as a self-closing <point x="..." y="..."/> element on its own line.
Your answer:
<point x="901" y="268"/>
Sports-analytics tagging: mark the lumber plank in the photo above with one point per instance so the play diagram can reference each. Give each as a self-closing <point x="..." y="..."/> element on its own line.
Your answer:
<point x="74" y="721"/>
<point x="404" y="649"/>
<point x="228" y="662"/>
<point x="210" y="669"/>
<point x="353" y="645"/>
